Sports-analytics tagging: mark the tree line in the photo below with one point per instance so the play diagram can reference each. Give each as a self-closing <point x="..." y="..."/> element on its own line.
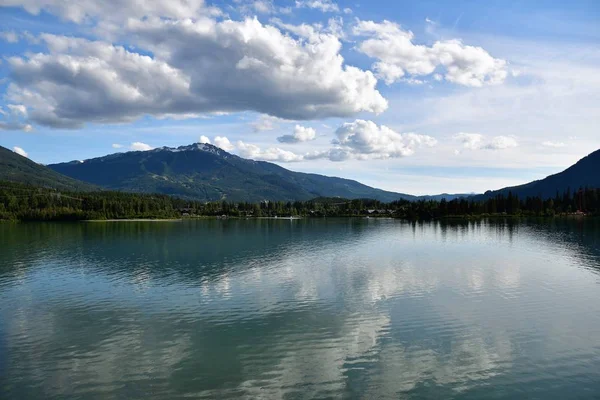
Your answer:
<point x="29" y="203"/>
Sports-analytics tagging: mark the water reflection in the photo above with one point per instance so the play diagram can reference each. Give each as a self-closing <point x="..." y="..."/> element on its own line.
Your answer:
<point x="300" y="309"/>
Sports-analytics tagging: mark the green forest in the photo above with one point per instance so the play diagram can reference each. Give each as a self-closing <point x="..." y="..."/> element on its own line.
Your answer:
<point x="29" y="203"/>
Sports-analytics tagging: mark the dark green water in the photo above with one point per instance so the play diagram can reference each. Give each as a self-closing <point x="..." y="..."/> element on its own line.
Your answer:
<point x="366" y="309"/>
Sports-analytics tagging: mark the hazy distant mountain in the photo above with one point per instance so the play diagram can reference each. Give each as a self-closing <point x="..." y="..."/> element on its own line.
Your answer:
<point x="585" y="173"/>
<point x="206" y="172"/>
<point x="447" y="196"/>
<point x="16" y="168"/>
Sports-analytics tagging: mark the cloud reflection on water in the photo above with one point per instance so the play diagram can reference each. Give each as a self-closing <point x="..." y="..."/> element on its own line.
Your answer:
<point x="373" y="309"/>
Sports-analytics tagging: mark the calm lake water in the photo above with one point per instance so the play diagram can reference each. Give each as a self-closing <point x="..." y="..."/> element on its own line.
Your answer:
<point x="365" y="309"/>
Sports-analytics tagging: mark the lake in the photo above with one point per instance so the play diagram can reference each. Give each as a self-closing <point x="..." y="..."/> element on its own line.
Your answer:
<point x="302" y="309"/>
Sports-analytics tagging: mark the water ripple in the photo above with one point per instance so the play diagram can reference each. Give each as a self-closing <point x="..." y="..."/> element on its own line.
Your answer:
<point x="311" y="309"/>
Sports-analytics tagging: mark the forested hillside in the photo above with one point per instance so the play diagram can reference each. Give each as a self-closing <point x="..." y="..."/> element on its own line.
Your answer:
<point x="208" y="173"/>
<point x="16" y="168"/>
<point x="585" y="173"/>
<point x="23" y="202"/>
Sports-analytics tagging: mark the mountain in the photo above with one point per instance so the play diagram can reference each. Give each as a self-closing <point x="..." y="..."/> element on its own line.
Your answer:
<point x="16" y="168"/>
<point x="205" y="172"/>
<point x="447" y="196"/>
<point x="585" y="173"/>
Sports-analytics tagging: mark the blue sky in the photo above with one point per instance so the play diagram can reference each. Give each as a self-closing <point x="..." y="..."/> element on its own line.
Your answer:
<point x="413" y="96"/>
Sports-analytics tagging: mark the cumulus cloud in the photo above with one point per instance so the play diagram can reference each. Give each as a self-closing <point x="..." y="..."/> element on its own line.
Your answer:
<point x="553" y="144"/>
<point x="263" y="6"/>
<point x="17" y="109"/>
<point x="502" y="143"/>
<point x="204" y="139"/>
<point x="20" y="151"/>
<point x="276" y="154"/>
<point x="476" y="141"/>
<point x="262" y="69"/>
<point x="254" y="152"/>
<point x="322" y="5"/>
<point x="358" y="140"/>
<point x="333" y="154"/>
<point x="223" y="143"/>
<point x="250" y="7"/>
<point x="14" y="118"/>
<point x="82" y="10"/>
<point x="139" y="146"/>
<point x="198" y="66"/>
<point x="398" y="56"/>
<point x="264" y="123"/>
<point x="117" y="146"/>
<point x="366" y="140"/>
<point x="301" y="134"/>
<point x="9" y="36"/>
<point x="83" y="81"/>
<point x="471" y="141"/>
<point x="15" y="126"/>
<point x="312" y="32"/>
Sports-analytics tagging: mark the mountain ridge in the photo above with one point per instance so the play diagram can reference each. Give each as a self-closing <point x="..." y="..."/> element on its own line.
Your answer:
<point x="584" y="173"/>
<point x="205" y="172"/>
<point x="16" y="168"/>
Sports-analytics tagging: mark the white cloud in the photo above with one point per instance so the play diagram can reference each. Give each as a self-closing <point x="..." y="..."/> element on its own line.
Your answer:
<point x="139" y="146"/>
<point x="254" y="152"/>
<point x="553" y="144"/>
<point x="117" y="146"/>
<point x="359" y="140"/>
<point x="476" y="141"/>
<point x="82" y="10"/>
<point x="15" y="118"/>
<point x="333" y="154"/>
<point x="322" y="5"/>
<point x="9" y="36"/>
<point x="304" y="31"/>
<point x="263" y="6"/>
<point x="301" y="134"/>
<point x="252" y="7"/>
<point x="259" y="68"/>
<point x="397" y="56"/>
<point x="366" y="140"/>
<point x="198" y="67"/>
<point x="20" y="151"/>
<point x="23" y="127"/>
<point x="264" y="123"/>
<point x="17" y="109"/>
<point x="84" y="81"/>
<point x="204" y="139"/>
<point x="412" y="81"/>
<point x="471" y="141"/>
<point x="30" y="37"/>
<point x="502" y="143"/>
<point x="223" y="143"/>
<point x="268" y="7"/>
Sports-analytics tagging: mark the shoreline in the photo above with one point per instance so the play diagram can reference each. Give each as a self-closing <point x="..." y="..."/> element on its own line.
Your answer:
<point x="134" y="220"/>
<point x="371" y="217"/>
